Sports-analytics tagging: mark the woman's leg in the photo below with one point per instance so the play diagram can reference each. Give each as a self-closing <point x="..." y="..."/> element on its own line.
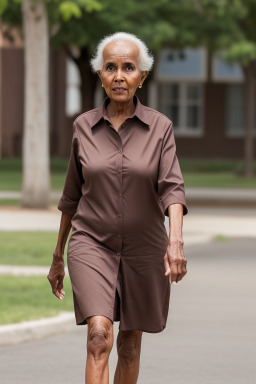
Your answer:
<point x="128" y="349"/>
<point x="99" y="346"/>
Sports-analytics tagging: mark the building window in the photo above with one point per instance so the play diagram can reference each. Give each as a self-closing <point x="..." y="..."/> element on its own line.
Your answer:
<point x="73" y="91"/>
<point x="183" y="104"/>
<point x="235" y="110"/>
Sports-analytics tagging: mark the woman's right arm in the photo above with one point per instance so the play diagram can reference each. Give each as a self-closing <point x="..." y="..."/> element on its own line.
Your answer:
<point x="57" y="270"/>
<point x="65" y="226"/>
<point x="68" y="206"/>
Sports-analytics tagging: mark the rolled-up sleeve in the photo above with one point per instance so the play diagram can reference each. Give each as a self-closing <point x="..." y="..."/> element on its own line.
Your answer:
<point x="74" y="179"/>
<point x="170" y="180"/>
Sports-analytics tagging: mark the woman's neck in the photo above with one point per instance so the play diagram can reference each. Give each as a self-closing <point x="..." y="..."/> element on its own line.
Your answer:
<point x="118" y="109"/>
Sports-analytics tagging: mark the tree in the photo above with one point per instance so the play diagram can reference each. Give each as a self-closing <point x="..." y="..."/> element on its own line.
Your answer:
<point x="35" y="154"/>
<point x="36" y="173"/>
<point x="228" y="27"/>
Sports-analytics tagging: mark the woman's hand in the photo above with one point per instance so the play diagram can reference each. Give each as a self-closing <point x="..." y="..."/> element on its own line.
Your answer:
<point x="56" y="276"/>
<point x="175" y="261"/>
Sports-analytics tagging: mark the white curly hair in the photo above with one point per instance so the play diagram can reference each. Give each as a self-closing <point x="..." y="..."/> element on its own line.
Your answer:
<point x="145" y="60"/>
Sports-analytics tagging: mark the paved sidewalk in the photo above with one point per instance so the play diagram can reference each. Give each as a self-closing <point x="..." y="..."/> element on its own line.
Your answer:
<point x="26" y="270"/>
<point x="16" y="195"/>
<point x="222" y="194"/>
<point x="207" y="195"/>
<point x="209" y="337"/>
<point x="198" y="224"/>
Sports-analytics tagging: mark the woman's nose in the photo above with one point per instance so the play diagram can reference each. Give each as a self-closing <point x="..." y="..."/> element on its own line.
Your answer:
<point x="119" y="75"/>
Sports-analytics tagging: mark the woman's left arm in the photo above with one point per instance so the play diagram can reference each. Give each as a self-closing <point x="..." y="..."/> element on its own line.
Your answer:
<point x="172" y="196"/>
<point x="174" y="260"/>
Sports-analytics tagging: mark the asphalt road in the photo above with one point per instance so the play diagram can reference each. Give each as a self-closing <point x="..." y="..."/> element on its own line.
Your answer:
<point x="210" y="336"/>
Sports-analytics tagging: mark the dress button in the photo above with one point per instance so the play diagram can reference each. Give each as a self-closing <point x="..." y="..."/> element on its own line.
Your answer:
<point x="119" y="194"/>
<point x="120" y="151"/>
<point x="119" y="170"/>
<point x="119" y="215"/>
<point x="118" y="254"/>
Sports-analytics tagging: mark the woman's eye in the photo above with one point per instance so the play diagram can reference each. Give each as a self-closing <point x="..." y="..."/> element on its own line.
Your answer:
<point x="110" y="67"/>
<point x="129" y="67"/>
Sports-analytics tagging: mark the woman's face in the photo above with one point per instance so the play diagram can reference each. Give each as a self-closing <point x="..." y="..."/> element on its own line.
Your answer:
<point x="120" y="73"/>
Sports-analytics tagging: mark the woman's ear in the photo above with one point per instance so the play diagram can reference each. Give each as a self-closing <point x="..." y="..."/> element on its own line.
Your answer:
<point x="99" y="73"/>
<point x="144" y="74"/>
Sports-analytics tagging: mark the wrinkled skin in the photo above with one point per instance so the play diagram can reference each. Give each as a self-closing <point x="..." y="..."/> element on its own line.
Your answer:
<point x="57" y="271"/>
<point x="56" y="276"/>
<point x="175" y="262"/>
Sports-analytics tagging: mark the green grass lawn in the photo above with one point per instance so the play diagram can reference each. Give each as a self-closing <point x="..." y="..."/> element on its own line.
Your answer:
<point x="215" y="173"/>
<point x="214" y="180"/>
<point x="27" y="248"/>
<point x="196" y="173"/>
<point x="11" y="174"/>
<point x="17" y="203"/>
<point x="30" y="298"/>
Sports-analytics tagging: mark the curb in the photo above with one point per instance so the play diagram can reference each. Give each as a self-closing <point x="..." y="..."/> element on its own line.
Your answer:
<point x="37" y="329"/>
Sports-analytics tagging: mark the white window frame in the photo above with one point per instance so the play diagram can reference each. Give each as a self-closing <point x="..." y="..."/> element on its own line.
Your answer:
<point x="182" y="130"/>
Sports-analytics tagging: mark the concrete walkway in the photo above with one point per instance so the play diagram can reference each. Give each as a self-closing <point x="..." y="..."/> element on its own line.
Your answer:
<point x="16" y="195"/>
<point x="26" y="270"/>
<point x="206" y="195"/>
<point x="209" y="337"/>
<point x="199" y="222"/>
<point x="192" y="193"/>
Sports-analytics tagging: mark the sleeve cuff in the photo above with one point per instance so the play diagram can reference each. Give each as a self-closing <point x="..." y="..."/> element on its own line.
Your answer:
<point x="67" y="206"/>
<point x="171" y="200"/>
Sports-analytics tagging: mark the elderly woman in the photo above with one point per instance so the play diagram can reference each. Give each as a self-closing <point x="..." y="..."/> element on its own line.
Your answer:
<point x="123" y="178"/>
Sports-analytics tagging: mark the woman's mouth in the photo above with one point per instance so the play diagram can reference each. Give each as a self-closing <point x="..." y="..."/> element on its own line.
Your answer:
<point x="119" y="89"/>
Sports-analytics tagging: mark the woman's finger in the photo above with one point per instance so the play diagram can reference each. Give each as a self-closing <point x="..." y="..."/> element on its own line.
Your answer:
<point x="180" y="269"/>
<point x="174" y="272"/>
<point x="55" y="290"/>
<point x="183" y="270"/>
<point x="179" y="275"/>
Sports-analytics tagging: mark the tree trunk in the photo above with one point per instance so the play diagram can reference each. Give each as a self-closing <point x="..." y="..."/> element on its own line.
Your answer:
<point x="35" y="156"/>
<point x="249" y="72"/>
<point x="88" y="80"/>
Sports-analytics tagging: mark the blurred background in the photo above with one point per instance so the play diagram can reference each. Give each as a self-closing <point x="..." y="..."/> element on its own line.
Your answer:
<point x="203" y="79"/>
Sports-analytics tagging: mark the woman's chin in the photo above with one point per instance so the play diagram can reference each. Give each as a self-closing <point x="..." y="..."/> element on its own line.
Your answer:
<point x="124" y="96"/>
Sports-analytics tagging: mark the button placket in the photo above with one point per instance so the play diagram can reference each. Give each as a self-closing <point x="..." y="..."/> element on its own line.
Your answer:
<point x="119" y="199"/>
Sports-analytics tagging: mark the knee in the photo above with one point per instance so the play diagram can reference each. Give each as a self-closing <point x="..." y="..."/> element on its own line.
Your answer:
<point x="99" y="339"/>
<point x="128" y="346"/>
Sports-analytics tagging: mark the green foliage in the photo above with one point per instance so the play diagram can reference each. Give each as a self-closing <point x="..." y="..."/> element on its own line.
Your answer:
<point x="224" y="25"/>
<point x="69" y="9"/>
<point x="244" y="52"/>
<point x="3" y="5"/>
<point x="228" y="26"/>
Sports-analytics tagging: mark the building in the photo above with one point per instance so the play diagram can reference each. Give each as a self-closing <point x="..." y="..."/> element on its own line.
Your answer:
<point x="205" y="99"/>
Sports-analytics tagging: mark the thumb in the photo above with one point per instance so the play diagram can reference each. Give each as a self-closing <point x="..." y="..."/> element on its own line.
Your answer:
<point x="166" y="265"/>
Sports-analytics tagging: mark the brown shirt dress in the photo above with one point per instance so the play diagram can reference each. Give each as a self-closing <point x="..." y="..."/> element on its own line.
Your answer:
<point x="118" y="186"/>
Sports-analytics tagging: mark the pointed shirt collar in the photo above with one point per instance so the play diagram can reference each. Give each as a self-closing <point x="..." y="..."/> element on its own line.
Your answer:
<point x="140" y="112"/>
